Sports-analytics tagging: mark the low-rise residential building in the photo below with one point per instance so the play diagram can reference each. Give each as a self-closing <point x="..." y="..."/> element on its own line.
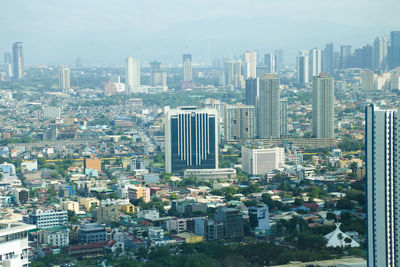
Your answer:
<point x="70" y="205"/>
<point x="178" y="225"/>
<point x="89" y="203"/>
<point x="215" y="230"/>
<point x="190" y="238"/>
<point x="188" y="207"/>
<point x="21" y="195"/>
<point x="47" y="218"/>
<point x="155" y="232"/>
<point x="92" y="163"/>
<point x="211" y="174"/>
<point x="91" y="233"/>
<point x="54" y="238"/>
<point x="128" y="208"/>
<point x="148" y="214"/>
<point x="139" y="192"/>
<point x="87" y="250"/>
<point x="259" y="217"/>
<point x="7" y="168"/>
<point x="29" y="166"/>
<point x="109" y="214"/>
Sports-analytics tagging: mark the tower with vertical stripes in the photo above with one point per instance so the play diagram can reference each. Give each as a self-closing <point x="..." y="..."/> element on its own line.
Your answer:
<point x="191" y="139"/>
<point x="382" y="147"/>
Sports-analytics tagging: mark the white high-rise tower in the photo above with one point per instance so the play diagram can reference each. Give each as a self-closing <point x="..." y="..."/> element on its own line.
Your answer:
<point x="303" y="67"/>
<point x="383" y="186"/>
<point x="187" y="68"/>
<point x="132" y="73"/>
<point x="315" y="56"/>
<point x="64" y="79"/>
<point x="379" y="56"/>
<point x="250" y="57"/>
<point x="18" y="60"/>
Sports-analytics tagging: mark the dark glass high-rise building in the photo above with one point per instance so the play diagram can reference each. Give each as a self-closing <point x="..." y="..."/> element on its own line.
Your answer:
<point x="191" y="139"/>
<point x="345" y="55"/>
<point x="394" y="49"/>
<point x="270" y="63"/>
<point x="233" y="223"/>
<point x="278" y="59"/>
<point x="362" y="57"/>
<point x="251" y="91"/>
<point x="8" y="64"/>
<point x="18" y="60"/>
<point x="7" y="58"/>
<point x="78" y="62"/>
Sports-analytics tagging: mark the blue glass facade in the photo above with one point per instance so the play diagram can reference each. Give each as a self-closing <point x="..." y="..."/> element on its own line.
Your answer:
<point x="193" y="141"/>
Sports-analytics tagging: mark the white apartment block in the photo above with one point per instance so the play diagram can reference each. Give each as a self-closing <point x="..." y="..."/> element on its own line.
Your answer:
<point x="14" y="248"/>
<point x="257" y="161"/>
<point x="52" y="112"/>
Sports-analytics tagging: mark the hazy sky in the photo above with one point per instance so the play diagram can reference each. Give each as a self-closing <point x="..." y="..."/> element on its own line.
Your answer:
<point x="105" y="31"/>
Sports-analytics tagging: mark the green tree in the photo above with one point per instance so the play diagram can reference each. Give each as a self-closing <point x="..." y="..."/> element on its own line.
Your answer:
<point x="298" y="202"/>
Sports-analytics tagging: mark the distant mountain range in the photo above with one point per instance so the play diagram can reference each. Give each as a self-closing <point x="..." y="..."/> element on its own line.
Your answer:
<point x="205" y="39"/>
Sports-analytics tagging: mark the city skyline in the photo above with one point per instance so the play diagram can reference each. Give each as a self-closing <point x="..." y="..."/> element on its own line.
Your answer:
<point x="196" y="29"/>
<point x="200" y="133"/>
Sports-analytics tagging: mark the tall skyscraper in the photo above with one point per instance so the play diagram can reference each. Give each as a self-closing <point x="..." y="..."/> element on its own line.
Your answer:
<point x="328" y="64"/>
<point x="270" y="63"/>
<point x="303" y="67"/>
<point x="239" y="122"/>
<point x="233" y="69"/>
<point x="345" y="55"/>
<point x="252" y="91"/>
<point x="336" y="60"/>
<point x="278" y="59"/>
<point x="250" y="59"/>
<point x="191" y="139"/>
<point x="268" y="107"/>
<point x="157" y="76"/>
<point x="187" y="82"/>
<point x="379" y="60"/>
<point x="64" y="79"/>
<point x="78" y="62"/>
<point x="368" y="80"/>
<point x="315" y="58"/>
<point x="187" y="68"/>
<point x="262" y="69"/>
<point x="362" y="58"/>
<point x="132" y="73"/>
<point x="155" y="66"/>
<point x="323" y="111"/>
<point x="284" y="105"/>
<point x="8" y="64"/>
<point x="18" y="60"/>
<point x="383" y="191"/>
<point x="394" y="50"/>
